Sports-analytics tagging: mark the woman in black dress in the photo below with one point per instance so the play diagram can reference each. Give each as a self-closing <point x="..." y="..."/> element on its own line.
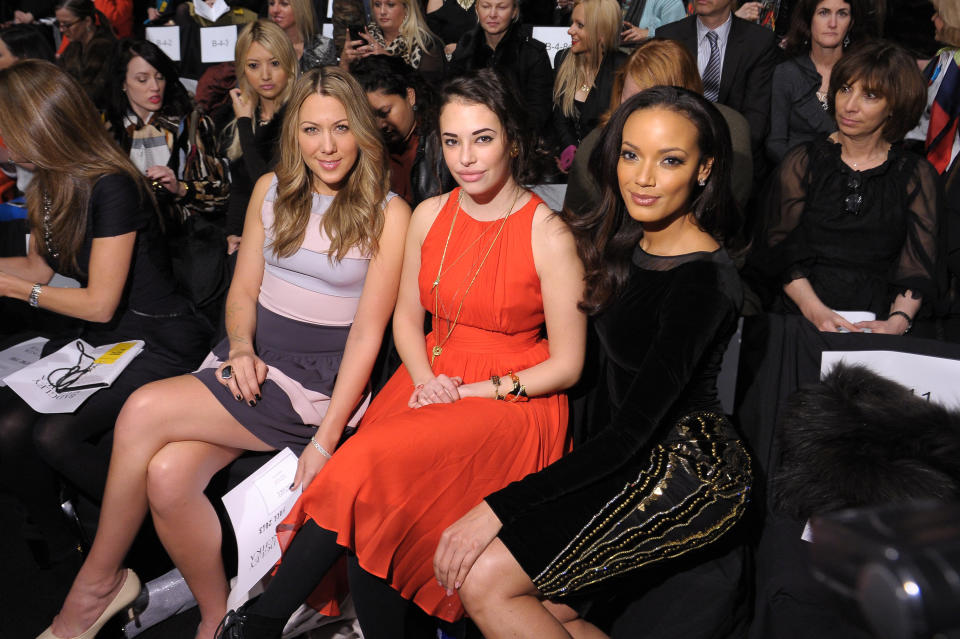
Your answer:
<point x="91" y="218"/>
<point x="852" y="216"/>
<point x="667" y="475"/>
<point x="820" y="31"/>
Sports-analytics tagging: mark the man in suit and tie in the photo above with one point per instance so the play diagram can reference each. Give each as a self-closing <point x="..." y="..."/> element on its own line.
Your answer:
<point x="736" y="60"/>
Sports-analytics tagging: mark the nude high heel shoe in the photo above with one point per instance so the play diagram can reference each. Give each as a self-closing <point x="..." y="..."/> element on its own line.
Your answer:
<point x="125" y="596"/>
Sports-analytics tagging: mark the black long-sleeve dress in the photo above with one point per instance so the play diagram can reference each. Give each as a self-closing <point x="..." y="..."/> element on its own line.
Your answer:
<point x="859" y="237"/>
<point x="667" y="474"/>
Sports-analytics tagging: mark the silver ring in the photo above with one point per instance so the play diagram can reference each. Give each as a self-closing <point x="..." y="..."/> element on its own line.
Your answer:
<point x="227" y="372"/>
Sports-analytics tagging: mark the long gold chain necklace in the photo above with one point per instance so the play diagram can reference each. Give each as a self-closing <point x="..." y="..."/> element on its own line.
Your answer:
<point x="438" y="348"/>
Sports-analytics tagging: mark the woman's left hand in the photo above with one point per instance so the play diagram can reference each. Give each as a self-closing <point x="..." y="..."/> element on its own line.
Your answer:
<point x="896" y="325"/>
<point x="165" y="176"/>
<point x="462" y="543"/>
<point x="633" y="33"/>
<point x="439" y="390"/>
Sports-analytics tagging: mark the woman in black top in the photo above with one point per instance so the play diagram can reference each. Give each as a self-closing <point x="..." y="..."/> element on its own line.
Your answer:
<point x="450" y="19"/>
<point x="852" y="217"/>
<point x="820" y="31"/>
<point x="93" y="218"/>
<point x="666" y="475"/>
<point x="498" y="43"/>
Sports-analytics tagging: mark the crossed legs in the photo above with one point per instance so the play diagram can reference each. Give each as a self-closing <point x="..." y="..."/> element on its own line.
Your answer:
<point x="170" y="438"/>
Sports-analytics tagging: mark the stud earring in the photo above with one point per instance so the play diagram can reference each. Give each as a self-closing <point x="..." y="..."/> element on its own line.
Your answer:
<point x="702" y="182"/>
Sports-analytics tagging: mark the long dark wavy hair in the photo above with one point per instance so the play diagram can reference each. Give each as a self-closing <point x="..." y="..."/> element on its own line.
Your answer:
<point x="488" y="88"/>
<point x="607" y="235"/>
<point x="176" y="102"/>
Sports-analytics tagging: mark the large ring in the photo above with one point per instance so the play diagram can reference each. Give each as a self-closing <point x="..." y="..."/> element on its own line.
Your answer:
<point x="227" y="372"/>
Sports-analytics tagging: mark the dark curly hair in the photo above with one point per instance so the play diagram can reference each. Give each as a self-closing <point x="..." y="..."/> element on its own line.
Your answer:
<point x="607" y="235"/>
<point x="488" y="88"/>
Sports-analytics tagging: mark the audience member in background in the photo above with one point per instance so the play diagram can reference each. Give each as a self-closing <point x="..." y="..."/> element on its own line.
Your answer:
<point x="347" y="13"/>
<point x="666" y="476"/>
<point x="25" y="11"/>
<point x="120" y="15"/>
<point x="450" y="19"/>
<point x="736" y="59"/>
<point x="656" y="62"/>
<point x="821" y="31"/>
<point x="498" y="43"/>
<point x="938" y="127"/>
<point x="852" y="217"/>
<point x="89" y="56"/>
<point x="406" y="111"/>
<point x="266" y="68"/>
<point x="584" y="74"/>
<point x="297" y="19"/>
<point x="92" y="218"/>
<point x="641" y="18"/>
<point x="315" y="284"/>
<point x="21" y="42"/>
<point x="154" y="121"/>
<point x="455" y="422"/>
<point x="398" y="29"/>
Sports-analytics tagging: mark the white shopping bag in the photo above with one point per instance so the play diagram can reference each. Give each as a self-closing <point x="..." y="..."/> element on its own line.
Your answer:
<point x="62" y="381"/>
<point x="23" y="354"/>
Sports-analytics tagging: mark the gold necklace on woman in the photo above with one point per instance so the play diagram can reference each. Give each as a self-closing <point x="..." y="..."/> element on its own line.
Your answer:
<point x="438" y="348"/>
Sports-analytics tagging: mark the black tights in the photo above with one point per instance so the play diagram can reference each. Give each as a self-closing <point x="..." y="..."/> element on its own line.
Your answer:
<point x="382" y="612"/>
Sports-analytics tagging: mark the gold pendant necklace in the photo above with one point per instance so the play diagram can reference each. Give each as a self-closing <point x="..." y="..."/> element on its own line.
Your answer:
<point x="438" y="347"/>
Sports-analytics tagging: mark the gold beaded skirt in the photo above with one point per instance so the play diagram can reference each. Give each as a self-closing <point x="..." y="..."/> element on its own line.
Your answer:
<point x="694" y="487"/>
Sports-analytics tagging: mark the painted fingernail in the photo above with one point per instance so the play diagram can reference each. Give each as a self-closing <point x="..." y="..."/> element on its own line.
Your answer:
<point x="449" y="592"/>
<point x="252" y="403"/>
<point x="239" y="397"/>
<point x="457" y="585"/>
<point x="257" y="397"/>
<point x="291" y="485"/>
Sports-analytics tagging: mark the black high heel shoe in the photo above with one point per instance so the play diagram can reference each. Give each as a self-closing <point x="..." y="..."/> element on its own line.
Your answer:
<point x="241" y="624"/>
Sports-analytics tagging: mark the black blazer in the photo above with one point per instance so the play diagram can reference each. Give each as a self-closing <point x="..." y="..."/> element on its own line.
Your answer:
<point x="572" y="130"/>
<point x="745" y="79"/>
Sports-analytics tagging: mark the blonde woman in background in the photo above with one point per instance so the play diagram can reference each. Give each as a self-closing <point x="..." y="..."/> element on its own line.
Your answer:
<point x="266" y="67"/>
<point x="585" y="71"/>
<point x="316" y="281"/>
<point x="299" y="22"/>
<point x="399" y="29"/>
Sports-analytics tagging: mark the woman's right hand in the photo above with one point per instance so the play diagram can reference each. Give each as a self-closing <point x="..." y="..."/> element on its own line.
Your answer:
<point x="242" y="107"/>
<point x="233" y="243"/>
<point x="248" y="372"/>
<point x="829" y="321"/>
<point x="353" y="50"/>
<point x="437" y="390"/>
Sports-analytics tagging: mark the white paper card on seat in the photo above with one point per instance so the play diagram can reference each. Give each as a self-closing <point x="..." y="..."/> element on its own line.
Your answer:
<point x="217" y="43"/>
<point x="255" y="507"/>
<point x="23" y="354"/>
<point x="932" y="378"/>
<point x="62" y="381"/>
<point x="167" y="38"/>
<point x="555" y="39"/>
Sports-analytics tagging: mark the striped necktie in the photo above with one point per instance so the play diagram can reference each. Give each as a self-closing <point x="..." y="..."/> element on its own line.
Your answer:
<point x="711" y="75"/>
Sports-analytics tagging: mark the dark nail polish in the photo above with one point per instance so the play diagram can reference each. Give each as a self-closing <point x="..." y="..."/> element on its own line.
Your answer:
<point x="239" y="397"/>
<point x="257" y="397"/>
<point x="291" y="486"/>
<point x="252" y="403"/>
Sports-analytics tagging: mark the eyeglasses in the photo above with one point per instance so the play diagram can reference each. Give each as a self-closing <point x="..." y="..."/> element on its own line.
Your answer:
<point x="63" y="26"/>
<point x="854" y="201"/>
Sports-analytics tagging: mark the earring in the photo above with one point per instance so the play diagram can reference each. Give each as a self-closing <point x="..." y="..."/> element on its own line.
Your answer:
<point x="846" y="41"/>
<point x="702" y="182"/>
<point x="515" y="150"/>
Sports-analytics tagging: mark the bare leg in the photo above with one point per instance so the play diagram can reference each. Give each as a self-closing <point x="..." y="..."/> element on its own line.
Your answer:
<point x="505" y="604"/>
<point x="171" y="410"/>
<point x="188" y="525"/>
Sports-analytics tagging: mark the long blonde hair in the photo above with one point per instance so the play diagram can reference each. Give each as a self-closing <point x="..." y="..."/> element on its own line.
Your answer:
<point x="47" y="119"/>
<point x="272" y="38"/>
<point x="306" y="19"/>
<point x="602" y="19"/>
<point x="414" y="29"/>
<point x="355" y="217"/>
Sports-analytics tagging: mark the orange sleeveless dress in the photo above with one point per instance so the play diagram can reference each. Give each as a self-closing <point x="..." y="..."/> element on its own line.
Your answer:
<point x="407" y="474"/>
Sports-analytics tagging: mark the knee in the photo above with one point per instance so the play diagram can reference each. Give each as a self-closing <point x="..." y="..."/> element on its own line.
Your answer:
<point x="169" y="482"/>
<point x="483" y="586"/>
<point x="54" y="440"/>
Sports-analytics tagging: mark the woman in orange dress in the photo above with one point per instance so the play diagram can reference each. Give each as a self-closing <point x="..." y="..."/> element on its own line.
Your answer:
<point x="476" y="405"/>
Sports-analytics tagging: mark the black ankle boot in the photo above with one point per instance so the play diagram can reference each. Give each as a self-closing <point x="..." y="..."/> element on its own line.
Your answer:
<point x="241" y="624"/>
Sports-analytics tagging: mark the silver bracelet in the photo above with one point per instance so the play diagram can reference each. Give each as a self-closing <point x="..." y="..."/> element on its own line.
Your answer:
<point x="323" y="451"/>
<point x="34" y="299"/>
